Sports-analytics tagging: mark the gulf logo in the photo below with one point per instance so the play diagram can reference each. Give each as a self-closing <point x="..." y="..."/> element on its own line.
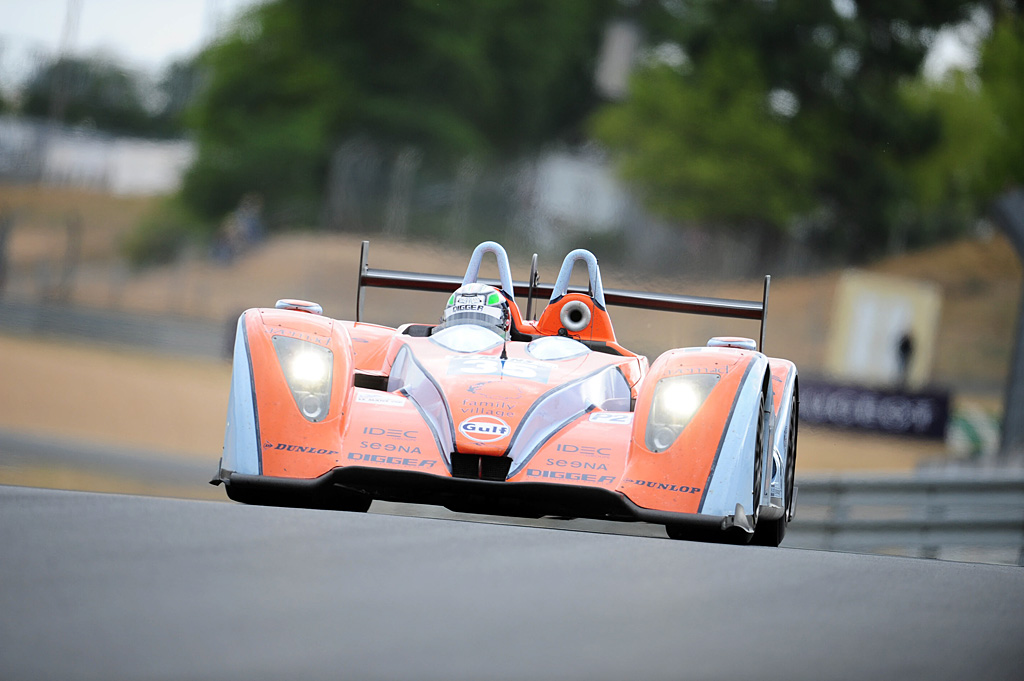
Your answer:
<point x="484" y="428"/>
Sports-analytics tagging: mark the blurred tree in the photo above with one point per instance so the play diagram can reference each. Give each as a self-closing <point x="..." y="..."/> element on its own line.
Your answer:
<point x="981" y="153"/>
<point x="95" y="92"/>
<point x="815" y="110"/>
<point x="1001" y="73"/>
<point x="295" y="77"/>
<point x="950" y="178"/>
<point x="177" y="87"/>
<point x="706" y="148"/>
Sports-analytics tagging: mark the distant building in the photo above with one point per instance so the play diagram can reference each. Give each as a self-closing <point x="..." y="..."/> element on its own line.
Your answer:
<point x="32" y="151"/>
<point x="573" y="194"/>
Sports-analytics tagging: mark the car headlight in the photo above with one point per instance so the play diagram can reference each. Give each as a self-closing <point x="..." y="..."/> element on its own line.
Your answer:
<point x="676" y="400"/>
<point x="308" y="369"/>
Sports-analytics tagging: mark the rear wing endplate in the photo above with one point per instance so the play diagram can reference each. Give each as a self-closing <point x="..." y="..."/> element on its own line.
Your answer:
<point x="666" y="302"/>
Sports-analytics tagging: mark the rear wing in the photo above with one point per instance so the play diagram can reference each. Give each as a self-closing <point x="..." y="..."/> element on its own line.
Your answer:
<point x="666" y="302"/>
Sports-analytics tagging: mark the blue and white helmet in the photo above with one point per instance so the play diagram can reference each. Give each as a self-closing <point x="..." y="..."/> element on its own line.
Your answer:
<point x="478" y="304"/>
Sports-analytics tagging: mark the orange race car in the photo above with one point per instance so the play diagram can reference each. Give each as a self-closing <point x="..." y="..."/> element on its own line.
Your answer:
<point x="488" y="411"/>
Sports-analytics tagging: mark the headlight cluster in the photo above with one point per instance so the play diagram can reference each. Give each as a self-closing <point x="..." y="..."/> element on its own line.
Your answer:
<point x="676" y="401"/>
<point x="308" y="368"/>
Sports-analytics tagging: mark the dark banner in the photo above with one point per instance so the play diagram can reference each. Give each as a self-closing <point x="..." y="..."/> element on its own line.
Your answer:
<point x="922" y="414"/>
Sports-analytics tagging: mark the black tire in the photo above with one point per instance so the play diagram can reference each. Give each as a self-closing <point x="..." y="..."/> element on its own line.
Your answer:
<point x="675" y="532"/>
<point x="772" y="532"/>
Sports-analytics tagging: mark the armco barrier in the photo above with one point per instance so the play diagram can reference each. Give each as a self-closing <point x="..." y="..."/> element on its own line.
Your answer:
<point x="970" y="515"/>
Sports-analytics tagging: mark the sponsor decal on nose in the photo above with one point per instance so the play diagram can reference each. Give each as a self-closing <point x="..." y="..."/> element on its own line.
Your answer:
<point x="485" y="428"/>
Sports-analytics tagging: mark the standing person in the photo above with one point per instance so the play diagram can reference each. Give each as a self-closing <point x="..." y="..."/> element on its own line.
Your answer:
<point x="904" y="355"/>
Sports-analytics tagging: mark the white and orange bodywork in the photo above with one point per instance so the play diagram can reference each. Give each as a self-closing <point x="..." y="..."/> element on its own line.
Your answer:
<point x="559" y="419"/>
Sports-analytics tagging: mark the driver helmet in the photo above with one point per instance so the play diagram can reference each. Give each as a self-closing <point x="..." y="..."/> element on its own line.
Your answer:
<point x="478" y="304"/>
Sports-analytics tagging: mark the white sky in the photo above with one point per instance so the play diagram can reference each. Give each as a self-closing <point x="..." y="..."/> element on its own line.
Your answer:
<point x="949" y="51"/>
<point x="148" y="34"/>
<point x="141" y="34"/>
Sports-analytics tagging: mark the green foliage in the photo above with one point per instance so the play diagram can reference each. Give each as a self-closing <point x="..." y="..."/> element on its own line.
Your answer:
<point x="163" y="234"/>
<point x="704" y="146"/>
<point x="1001" y="73"/>
<point x="793" y="96"/>
<point x="88" y="91"/>
<point x="981" y="153"/>
<point x="102" y="94"/>
<point x="296" y="77"/>
<point x="176" y="89"/>
<point x="954" y="171"/>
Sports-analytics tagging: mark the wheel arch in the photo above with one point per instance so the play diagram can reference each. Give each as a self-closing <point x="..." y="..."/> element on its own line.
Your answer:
<point x="731" y="481"/>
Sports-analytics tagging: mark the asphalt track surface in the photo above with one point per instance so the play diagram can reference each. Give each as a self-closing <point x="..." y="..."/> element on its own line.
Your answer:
<point x="96" y="586"/>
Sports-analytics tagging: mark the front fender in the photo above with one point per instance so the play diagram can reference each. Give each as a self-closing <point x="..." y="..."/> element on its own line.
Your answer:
<point x="709" y="468"/>
<point x="263" y="417"/>
<point x="241" y="435"/>
<point x="785" y="406"/>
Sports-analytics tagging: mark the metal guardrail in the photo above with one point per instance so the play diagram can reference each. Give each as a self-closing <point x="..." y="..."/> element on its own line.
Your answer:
<point x="956" y="513"/>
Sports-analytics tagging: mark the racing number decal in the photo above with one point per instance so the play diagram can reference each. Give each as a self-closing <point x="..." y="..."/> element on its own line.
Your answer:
<point x="492" y="366"/>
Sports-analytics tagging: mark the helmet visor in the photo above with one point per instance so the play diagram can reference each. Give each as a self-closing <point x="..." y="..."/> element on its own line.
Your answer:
<point x="483" y="317"/>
